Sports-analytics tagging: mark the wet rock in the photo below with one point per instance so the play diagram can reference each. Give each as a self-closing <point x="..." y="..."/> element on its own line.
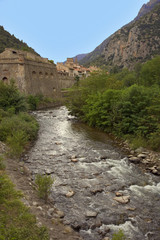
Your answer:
<point x="96" y="224"/>
<point x="58" y="143"/>
<point x="141" y="155"/>
<point x="119" y="194"/>
<point x="40" y="208"/>
<point x="103" y="157"/>
<point x="49" y="171"/>
<point x="134" y="159"/>
<point x="35" y="204"/>
<point x="74" y="160"/>
<point x="123" y="199"/>
<point x="154" y="170"/>
<point x="60" y="214"/>
<point x="51" y="211"/>
<point x="131" y="209"/>
<point x="76" y="225"/>
<point x="70" y="193"/>
<point x="103" y="230"/>
<point x="90" y="213"/>
<point x="140" y="150"/>
<point x="96" y="190"/>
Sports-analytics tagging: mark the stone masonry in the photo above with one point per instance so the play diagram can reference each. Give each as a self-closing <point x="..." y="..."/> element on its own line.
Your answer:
<point x="32" y="74"/>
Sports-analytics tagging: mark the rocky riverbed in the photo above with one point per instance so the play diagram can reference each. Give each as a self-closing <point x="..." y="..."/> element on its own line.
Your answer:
<point x="97" y="189"/>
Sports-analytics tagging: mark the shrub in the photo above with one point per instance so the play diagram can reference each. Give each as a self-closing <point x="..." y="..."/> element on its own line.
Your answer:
<point x="15" y="220"/>
<point x="119" y="235"/>
<point x="2" y="165"/>
<point x="17" y="141"/>
<point x="44" y="184"/>
<point x="11" y="97"/>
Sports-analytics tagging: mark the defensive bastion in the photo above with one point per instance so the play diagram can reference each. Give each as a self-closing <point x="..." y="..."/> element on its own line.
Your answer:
<point x="32" y="74"/>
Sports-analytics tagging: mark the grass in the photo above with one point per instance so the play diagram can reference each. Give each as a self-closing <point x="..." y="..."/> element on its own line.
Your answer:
<point x="16" y="222"/>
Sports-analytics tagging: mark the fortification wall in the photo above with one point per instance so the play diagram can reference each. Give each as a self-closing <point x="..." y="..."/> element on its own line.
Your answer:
<point x="41" y="78"/>
<point x="65" y="81"/>
<point x="13" y="69"/>
<point x="33" y="74"/>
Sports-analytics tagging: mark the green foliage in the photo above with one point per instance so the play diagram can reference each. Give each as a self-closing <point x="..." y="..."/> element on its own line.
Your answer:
<point x="2" y="165"/>
<point x="123" y="103"/>
<point x="119" y="235"/>
<point x="44" y="184"/>
<point x="15" y="220"/>
<point x="17" y="127"/>
<point x="34" y="101"/>
<point x="11" y="99"/>
<point x="17" y="141"/>
<point x="10" y="41"/>
<point x="150" y="72"/>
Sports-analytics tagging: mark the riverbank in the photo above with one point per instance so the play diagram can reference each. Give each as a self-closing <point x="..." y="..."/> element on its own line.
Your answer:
<point x="46" y="214"/>
<point x="148" y="160"/>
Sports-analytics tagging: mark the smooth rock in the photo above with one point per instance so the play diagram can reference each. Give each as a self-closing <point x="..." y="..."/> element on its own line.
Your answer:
<point x="139" y="150"/>
<point x="118" y="194"/>
<point x="90" y="213"/>
<point x="60" y="214"/>
<point x="123" y="199"/>
<point x="35" y="204"/>
<point x="70" y="193"/>
<point x="131" y="209"/>
<point x="141" y="155"/>
<point x="134" y="159"/>
<point x="51" y="211"/>
<point x="96" y="224"/>
<point x="40" y="208"/>
<point x="74" y="160"/>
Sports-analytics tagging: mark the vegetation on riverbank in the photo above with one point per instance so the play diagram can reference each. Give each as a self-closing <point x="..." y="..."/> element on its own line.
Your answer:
<point x="125" y="103"/>
<point x="16" y="222"/>
<point x="17" y="129"/>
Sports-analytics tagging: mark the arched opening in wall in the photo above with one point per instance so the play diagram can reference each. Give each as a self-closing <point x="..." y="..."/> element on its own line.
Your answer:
<point x="5" y="79"/>
<point x="40" y="74"/>
<point x="14" y="52"/>
<point x="46" y="75"/>
<point x="54" y="89"/>
<point x="34" y="74"/>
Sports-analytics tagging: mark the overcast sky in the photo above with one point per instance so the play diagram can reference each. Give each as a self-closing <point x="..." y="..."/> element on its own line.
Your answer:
<point x="58" y="29"/>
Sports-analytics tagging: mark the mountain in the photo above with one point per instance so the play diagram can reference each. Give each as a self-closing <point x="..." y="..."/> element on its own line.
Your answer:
<point x="80" y="56"/>
<point x="10" y="41"/>
<point x="146" y="8"/>
<point x="136" y="42"/>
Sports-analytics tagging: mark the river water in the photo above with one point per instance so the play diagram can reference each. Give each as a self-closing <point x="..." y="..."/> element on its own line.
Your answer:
<point x="88" y="170"/>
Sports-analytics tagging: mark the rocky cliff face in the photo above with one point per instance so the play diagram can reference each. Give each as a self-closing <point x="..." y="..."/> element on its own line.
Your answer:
<point x="147" y="8"/>
<point x="136" y="42"/>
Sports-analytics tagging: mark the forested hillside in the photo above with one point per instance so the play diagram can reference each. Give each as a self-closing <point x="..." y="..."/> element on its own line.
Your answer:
<point x="10" y="41"/>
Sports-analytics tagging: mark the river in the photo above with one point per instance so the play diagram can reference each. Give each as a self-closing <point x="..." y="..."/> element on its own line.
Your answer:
<point x="89" y="170"/>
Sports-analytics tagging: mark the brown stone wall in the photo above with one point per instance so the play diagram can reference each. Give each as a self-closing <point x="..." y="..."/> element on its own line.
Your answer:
<point x="65" y="81"/>
<point x="32" y="74"/>
<point x="41" y="78"/>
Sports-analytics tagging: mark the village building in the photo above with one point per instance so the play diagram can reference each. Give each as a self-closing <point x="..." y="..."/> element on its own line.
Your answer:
<point x="73" y="69"/>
